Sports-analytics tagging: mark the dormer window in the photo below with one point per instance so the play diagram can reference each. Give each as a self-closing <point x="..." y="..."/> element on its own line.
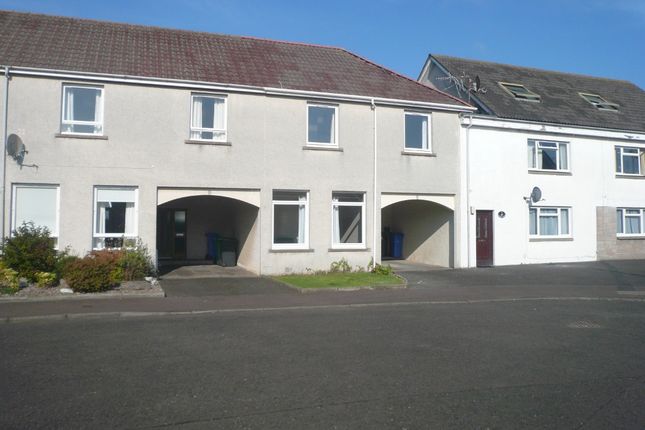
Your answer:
<point x="520" y="92"/>
<point x="599" y="102"/>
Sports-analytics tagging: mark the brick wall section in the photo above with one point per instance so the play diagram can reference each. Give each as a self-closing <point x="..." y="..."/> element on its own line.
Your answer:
<point x="609" y="246"/>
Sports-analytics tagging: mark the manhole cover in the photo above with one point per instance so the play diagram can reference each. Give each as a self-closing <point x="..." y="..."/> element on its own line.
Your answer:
<point x="583" y="324"/>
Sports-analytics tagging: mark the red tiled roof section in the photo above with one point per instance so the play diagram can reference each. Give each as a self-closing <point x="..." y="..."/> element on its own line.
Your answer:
<point x="60" y="43"/>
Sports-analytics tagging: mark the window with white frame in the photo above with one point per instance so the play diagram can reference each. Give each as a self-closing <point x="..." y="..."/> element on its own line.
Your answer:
<point x="549" y="222"/>
<point x="208" y="118"/>
<point x="630" y="221"/>
<point x="630" y="160"/>
<point x="115" y="216"/>
<point x="322" y="124"/>
<point x="599" y="102"/>
<point x="348" y="220"/>
<point x="417" y="132"/>
<point x="547" y="155"/>
<point x="82" y="110"/>
<point x="37" y="204"/>
<point x="290" y="219"/>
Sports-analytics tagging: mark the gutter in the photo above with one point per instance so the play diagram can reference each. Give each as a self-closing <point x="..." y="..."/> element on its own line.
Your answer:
<point x="178" y="83"/>
<point x="468" y="208"/>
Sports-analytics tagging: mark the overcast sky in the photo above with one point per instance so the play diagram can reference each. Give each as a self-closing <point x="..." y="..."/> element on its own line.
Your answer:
<point x="593" y="37"/>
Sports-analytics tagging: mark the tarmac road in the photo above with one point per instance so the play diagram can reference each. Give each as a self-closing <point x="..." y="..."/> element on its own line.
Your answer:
<point x="510" y="363"/>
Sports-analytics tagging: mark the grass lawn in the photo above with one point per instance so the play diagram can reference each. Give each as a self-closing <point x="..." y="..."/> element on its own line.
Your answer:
<point x="339" y="280"/>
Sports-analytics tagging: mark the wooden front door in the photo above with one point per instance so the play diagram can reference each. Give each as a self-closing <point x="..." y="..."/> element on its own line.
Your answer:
<point x="171" y="233"/>
<point x="484" y="238"/>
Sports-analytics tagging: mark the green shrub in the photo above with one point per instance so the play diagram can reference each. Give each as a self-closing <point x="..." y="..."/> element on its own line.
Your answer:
<point x="379" y="269"/>
<point x="30" y="250"/>
<point x="63" y="260"/>
<point x="46" y="279"/>
<point x="135" y="263"/>
<point x="94" y="273"/>
<point x="9" y="280"/>
<point x="340" y="266"/>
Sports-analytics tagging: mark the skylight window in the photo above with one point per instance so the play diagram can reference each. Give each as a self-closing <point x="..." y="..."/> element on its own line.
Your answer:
<point x="520" y="92"/>
<point x="599" y="102"/>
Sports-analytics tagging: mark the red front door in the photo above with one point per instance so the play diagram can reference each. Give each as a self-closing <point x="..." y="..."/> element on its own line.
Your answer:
<point x="484" y="238"/>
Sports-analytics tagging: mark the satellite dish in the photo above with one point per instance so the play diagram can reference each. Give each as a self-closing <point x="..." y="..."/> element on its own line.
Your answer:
<point x="536" y="194"/>
<point x="478" y="83"/>
<point x="16" y="148"/>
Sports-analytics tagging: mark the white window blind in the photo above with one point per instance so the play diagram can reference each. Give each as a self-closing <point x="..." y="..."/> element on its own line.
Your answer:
<point x="37" y="204"/>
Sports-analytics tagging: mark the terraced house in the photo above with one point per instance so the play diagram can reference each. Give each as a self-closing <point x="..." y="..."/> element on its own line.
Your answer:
<point x="298" y="155"/>
<point x="553" y="166"/>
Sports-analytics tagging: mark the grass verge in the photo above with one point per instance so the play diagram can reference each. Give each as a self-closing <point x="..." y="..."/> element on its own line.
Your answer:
<point x="340" y="280"/>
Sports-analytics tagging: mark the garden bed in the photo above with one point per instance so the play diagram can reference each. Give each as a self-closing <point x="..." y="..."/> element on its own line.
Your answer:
<point x="125" y="289"/>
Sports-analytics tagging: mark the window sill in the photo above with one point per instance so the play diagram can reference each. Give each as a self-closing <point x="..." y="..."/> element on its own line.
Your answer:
<point x="206" y="142"/>
<point x="322" y="148"/>
<point x="348" y="249"/>
<point x="80" y="136"/>
<point x="418" y="153"/>
<point x="550" y="172"/>
<point x="623" y="176"/>
<point x="551" y="239"/>
<point x="640" y="237"/>
<point x="281" y="251"/>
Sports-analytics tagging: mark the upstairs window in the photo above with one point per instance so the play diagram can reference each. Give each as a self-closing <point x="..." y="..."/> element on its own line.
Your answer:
<point x="115" y="216"/>
<point x="599" y="102"/>
<point x="322" y="124"/>
<point x="82" y="110"/>
<point x="520" y="92"/>
<point x="417" y="132"/>
<point x="630" y="160"/>
<point x="549" y="222"/>
<point x="546" y="155"/>
<point x="208" y="118"/>
<point x="630" y="221"/>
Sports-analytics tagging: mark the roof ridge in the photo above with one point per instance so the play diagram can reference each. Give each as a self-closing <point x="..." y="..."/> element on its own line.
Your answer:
<point x="180" y="30"/>
<point x="388" y="70"/>
<point x="515" y="66"/>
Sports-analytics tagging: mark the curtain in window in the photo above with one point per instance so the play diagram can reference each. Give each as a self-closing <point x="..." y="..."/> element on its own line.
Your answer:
<point x="302" y="218"/>
<point x="564" y="221"/>
<point x="196" y="120"/>
<point x="37" y="205"/>
<point x="532" y="221"/>
<point x="335" y="221"/>
<point x="100" y="221"/>
<point x="564" y="160"/>
<point x="633" y="222"/>
<point x="130" y="219"/>
<point x="548" y="222"/>
<point x="97" y="111"/>
<point x="619" y="221"/>
<point x="424" y="133"/>
<point x="531" y="154"/>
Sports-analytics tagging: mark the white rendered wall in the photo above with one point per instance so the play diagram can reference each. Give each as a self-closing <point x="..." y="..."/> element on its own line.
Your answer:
<point x="500" y="179"/>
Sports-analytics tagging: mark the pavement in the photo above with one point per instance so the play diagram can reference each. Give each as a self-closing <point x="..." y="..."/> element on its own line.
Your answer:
<point x="592" y="280"/>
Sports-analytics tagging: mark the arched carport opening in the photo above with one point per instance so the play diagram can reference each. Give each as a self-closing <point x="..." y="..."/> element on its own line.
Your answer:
<point x="184" y="225"/>
<point x="427" y="228"/>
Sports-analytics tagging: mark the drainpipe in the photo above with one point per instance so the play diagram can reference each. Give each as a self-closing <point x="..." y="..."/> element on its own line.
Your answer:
<point x="3" y="159"/>
<point x="375" y="228"/>
<point x="468" y="214"/>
